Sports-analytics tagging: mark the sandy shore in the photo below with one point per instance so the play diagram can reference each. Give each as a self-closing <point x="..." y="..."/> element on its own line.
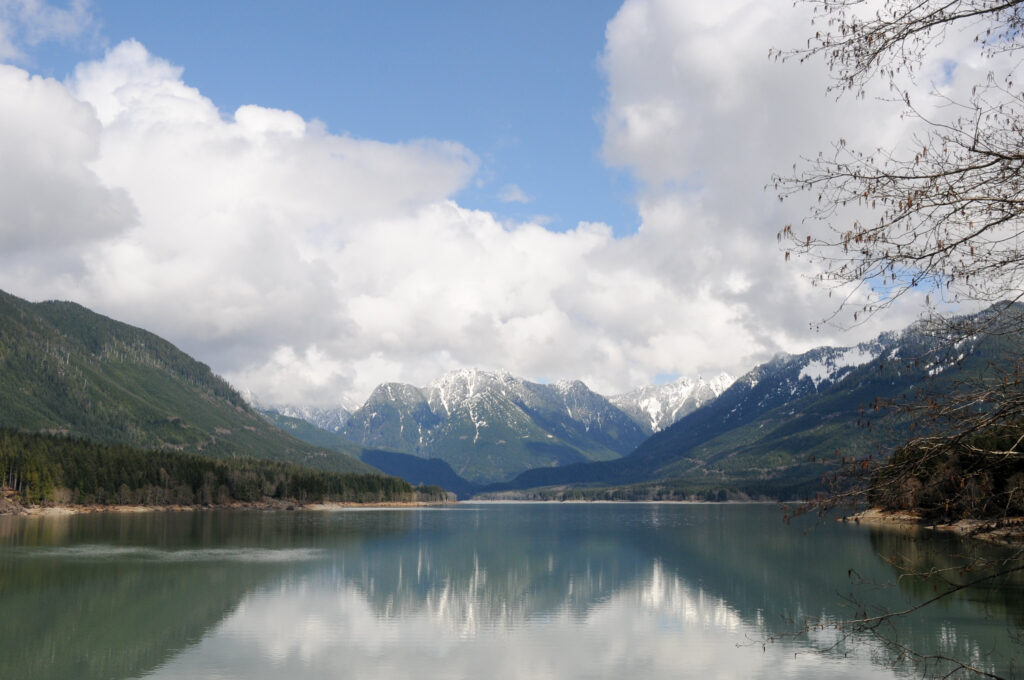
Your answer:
<point x="1008" y="530"/>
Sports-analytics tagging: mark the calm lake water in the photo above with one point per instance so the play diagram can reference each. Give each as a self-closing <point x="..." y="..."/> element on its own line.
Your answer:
<point x="476" y="591"/>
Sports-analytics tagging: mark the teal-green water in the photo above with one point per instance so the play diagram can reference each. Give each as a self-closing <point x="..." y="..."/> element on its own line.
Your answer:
<point x="475" y="591"/>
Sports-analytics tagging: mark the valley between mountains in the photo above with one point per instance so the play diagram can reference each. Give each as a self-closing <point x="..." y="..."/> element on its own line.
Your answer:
<point x="770" y="433"/>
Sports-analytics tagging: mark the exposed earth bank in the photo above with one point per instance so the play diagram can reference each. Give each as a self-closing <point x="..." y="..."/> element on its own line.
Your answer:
<point x="1006" y="530"/>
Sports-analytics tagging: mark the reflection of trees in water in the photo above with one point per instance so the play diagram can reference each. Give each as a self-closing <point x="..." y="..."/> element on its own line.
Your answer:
<point x="981" y="625"/>
<point x="129" y="619"/>
<point x="217" y="528"/>
<point x="837" y="571"/>
<point x="947" y="559"/>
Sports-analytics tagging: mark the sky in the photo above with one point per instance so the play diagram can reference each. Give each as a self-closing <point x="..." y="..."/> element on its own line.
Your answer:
<point x="314" y="198"/>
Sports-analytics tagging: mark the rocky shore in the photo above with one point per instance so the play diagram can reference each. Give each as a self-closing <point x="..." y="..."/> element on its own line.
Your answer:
<point x="1006" y="530"/>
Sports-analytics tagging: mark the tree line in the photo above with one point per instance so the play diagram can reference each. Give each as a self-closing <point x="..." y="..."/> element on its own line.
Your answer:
<point x="43" y="468"/>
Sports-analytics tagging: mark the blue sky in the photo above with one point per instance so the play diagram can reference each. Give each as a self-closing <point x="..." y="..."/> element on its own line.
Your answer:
<point x="520" y="84"/>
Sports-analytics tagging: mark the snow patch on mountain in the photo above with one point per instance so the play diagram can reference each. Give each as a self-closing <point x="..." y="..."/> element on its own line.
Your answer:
<point x="456" y="388"/>
<point x="658" y="406"/>
<point x="831" y="364"/>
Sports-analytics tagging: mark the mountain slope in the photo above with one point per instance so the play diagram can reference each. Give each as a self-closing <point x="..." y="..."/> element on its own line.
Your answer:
<point x="420" y="471"/>
<point x="311" y="434"/>
<point x="66" y="369"/>
<point x="395" y="417"/>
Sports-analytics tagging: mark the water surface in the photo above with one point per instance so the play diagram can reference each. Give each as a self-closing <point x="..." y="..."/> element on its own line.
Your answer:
<point x="476" y="591"/>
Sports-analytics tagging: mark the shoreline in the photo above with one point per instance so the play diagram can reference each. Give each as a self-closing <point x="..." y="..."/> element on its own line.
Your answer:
<point x="606" y="501"/>
<point x="1006" y="531"/>
<point x="9" y="507"/>
<point x="17" y="510"/>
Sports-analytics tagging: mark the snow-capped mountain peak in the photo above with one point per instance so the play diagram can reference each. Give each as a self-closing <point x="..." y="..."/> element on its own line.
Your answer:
<point x="455" y="388"/>
<point x="656" y="407"/>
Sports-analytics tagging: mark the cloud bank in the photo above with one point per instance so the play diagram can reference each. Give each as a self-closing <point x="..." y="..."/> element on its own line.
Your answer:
<point x="309" y="266"/>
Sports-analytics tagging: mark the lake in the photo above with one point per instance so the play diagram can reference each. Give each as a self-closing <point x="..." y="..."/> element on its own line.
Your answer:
<point x="483" y="590"/>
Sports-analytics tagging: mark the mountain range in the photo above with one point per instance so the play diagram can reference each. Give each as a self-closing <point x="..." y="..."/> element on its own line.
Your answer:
<point x="67" y="370"/>
<point x="771" y="430"/>
<point x="330" y="419"/>
<point x="764" y="434"/>
<point x="490" y="426"/>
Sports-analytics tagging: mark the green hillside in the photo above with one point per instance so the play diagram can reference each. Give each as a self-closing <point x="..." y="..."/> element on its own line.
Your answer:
<point x="67" y="370"/>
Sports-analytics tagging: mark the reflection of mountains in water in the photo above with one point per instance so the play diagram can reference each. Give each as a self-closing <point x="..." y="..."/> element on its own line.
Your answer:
<point x="484" y="600"/>
<point x="166" y="582"/>
<point x="726" y="567"/>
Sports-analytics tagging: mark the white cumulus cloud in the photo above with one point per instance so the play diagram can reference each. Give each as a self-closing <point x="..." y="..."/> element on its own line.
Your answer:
<point x="309" y="266"/>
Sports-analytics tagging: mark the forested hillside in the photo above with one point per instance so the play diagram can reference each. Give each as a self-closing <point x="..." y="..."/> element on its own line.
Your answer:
<point x="49" y="468"/>
<point x="65" y="369"/>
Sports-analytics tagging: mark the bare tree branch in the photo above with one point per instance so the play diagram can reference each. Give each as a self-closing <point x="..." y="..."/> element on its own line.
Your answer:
<point x="941" y="214"/>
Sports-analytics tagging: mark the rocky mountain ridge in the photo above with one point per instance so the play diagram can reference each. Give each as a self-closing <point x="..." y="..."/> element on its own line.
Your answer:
<point x="492" y="425"/>
<point x="656" y="407"/>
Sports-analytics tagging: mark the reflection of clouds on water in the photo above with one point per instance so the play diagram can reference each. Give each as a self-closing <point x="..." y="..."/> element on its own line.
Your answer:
<point x="657" y="626"/>
<point x="128" y="553"/>
<point x="523" y="591"/>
